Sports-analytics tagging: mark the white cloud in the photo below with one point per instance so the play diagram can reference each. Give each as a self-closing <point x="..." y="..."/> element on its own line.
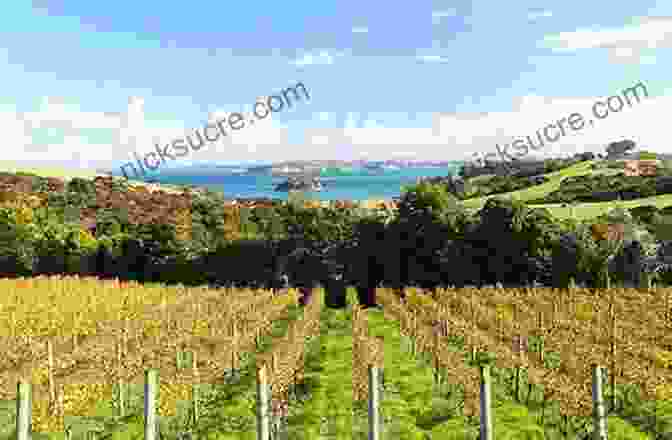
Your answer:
<point x="452" y="136"/>
<point x="130" y="132"/>
<point x="351" y="120"/>
<point x="371" y="123"/>
<point x="626" y="44"/>
<point x="319" y="140"/>
<point x="55" y="116"/>
<point x="433" y="58"/>
<point x="253" y="138"/>
<point x="404" y="154"/>
<point x="379" y="136"/>
<point x="643" y="122"/>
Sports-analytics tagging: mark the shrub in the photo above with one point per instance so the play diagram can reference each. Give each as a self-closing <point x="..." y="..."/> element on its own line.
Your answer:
<point x="644" y="214"/>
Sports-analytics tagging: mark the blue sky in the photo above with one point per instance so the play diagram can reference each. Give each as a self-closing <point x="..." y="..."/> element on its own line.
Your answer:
<point x="87" y="83"/>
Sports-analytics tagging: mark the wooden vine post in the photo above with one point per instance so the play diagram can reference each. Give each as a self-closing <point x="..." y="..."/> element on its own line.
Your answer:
<point x="412" y="334"/>
<point x="163" y="319"/>
<point x="75" y="338"/>
<point x="435" y="355"/>
<point x="444" y="322"/>
<point x="263" y="420"/>
<point x="519" y="345"/>
<point x="474" y="351"/>
<point x="234" y="345"/>
<point x="554" y="319"/>
<point x="374" y="403"/>
<point x="50" y="374"/>
<point x="541" y="339"/>
<point x="599" y="419"/>
<point x="195" y="387"/>
<point x="23" y="410"/>
<point x="612" y="318"/>
<point x="151" y="388"/>
<point x="486" y="403"/>
<point x="60" y="405"/>
<point x="274" y="362"/>
<point x="121" y="395"/>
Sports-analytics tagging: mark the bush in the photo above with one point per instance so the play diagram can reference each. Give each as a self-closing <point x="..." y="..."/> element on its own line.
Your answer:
<point x="615" y="164"/>
<point x="644" y="214"/>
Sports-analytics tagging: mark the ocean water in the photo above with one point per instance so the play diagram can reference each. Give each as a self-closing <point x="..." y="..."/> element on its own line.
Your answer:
<point x="349" y="187"/>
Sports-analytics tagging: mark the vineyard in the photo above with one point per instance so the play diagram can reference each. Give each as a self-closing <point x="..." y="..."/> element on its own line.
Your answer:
<point x="104" y="359"/>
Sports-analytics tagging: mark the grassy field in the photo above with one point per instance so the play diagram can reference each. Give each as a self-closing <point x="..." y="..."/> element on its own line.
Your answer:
<point x="579" y="211"/>
<point x="536" y="191"/>
<point x="585" y="211"/>
<point x="63" y="173"/>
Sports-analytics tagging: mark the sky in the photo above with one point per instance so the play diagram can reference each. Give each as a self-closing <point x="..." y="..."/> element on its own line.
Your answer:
<point x="87" y="84"/>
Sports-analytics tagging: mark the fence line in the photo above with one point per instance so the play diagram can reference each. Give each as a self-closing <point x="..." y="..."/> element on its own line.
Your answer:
<point x="24" y="406"/>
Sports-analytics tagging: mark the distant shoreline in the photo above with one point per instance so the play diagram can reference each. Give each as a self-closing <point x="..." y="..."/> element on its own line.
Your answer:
<point x="230" y="190"/>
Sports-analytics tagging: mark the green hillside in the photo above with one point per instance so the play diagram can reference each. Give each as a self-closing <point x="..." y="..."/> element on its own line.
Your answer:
<point x="63" y="173"/>
<point x="578" y="211"/>
<point x="537" y="191"/>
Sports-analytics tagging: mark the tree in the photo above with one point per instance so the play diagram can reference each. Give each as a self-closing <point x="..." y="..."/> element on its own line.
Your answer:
<point x="594" y="253"/>
<point x="424" y="199"/>
<point x="665" y="165"/>
<point x="512" y="233"/>
<point x="620" y="147"/>
<point x="365" y="266"/>
<point x="428" y="218"/>
<point x="297" y="198"/>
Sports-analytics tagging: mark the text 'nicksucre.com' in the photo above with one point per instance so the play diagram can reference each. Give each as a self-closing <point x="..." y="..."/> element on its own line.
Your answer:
<point x="560" y="128"/>
<point x="235" y="122"/>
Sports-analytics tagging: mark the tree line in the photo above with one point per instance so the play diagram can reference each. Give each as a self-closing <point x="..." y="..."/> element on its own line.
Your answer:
<point x="431" y="241"/>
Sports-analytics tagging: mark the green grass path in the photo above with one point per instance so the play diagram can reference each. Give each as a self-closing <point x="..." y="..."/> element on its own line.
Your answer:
<point x="329" y="411"/>
<point x="413" y="407"/>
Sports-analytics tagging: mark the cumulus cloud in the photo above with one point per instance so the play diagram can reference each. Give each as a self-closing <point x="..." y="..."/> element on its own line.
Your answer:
<point x="60" y="134"/>
<point x="66" y="126"/>
<point x="451" y="136"/>
<point x="642" y="122"/>
<point x="626" y="44"/>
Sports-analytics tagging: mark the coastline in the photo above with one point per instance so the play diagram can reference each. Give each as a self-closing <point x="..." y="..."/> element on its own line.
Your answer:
<point x="349" y="186"/>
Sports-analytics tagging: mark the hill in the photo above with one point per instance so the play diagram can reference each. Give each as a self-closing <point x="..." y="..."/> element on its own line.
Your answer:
<point x="553" y="182"/>
<point x="58" y="172"/>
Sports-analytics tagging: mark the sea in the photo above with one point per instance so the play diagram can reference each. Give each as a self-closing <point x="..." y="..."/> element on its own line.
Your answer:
<point x="239" y="183"/>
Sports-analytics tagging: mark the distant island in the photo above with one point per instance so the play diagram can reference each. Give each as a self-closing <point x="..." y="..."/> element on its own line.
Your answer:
<point x="300" y="184"/>
<point x="315" y="167"/>
<point x="304" y="167"/>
